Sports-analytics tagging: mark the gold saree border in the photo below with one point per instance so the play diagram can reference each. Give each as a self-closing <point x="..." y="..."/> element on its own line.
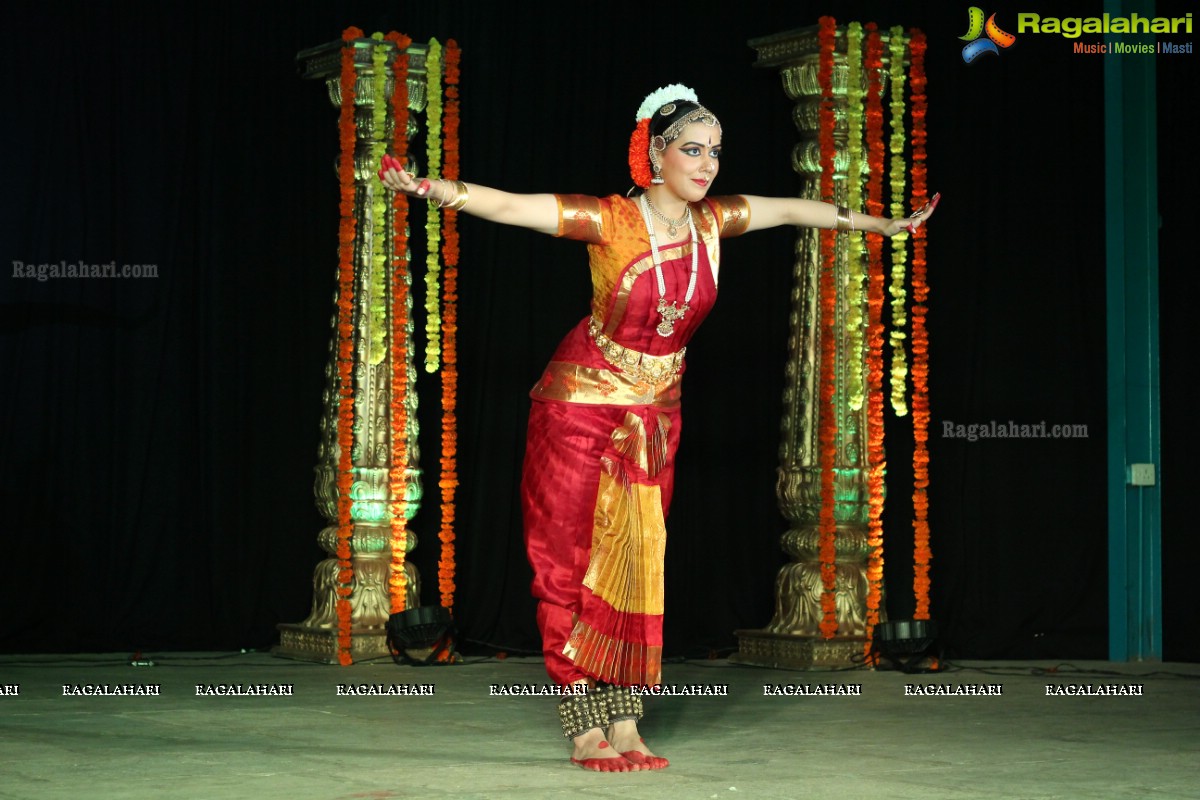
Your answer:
<point x="574" y="383"/>
<point x="629" y="543"/>
<point x="614" y="660"/>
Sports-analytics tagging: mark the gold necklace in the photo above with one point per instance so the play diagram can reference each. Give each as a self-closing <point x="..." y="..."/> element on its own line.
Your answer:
<point x="672" y="224"/>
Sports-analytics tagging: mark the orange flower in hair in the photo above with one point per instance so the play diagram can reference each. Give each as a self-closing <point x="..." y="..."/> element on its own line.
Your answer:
<point x="639" y="153"/>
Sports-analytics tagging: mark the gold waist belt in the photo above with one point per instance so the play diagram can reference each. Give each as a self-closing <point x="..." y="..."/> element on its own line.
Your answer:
<point x="656" y="369"/>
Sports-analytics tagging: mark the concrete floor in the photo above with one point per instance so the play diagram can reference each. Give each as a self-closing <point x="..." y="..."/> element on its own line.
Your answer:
<point x="463" y="742"/>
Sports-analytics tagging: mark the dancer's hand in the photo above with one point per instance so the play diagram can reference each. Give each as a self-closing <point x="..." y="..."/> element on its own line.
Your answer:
<point x="397" y="179"/>
<point x="911" y="223"/>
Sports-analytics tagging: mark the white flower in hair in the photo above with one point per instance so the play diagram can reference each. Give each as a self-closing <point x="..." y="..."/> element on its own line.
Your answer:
<point x="660" y="97"/>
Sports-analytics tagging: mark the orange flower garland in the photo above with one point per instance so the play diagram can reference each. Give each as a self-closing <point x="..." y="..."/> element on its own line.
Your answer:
<point x="920" y="335"/>
<point x="397" y="477"/>
<point x="449" y="479"/>
<point x="827" y="526"/>
<point x="639" y="154"/>
<point x="875" y="455"/>
<point x="345" y="354"/>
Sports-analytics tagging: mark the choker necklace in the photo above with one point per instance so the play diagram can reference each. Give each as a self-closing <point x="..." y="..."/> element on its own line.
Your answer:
<point x="672" y="224"/>
<point x="670" y="313"/>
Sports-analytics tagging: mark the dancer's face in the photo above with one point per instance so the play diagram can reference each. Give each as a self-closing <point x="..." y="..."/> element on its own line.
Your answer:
<point x="692" y="160"/>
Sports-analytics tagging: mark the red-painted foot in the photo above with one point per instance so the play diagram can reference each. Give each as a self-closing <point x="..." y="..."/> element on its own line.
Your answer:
<point x="620" y="764"/>
<point x="647" y="762"/>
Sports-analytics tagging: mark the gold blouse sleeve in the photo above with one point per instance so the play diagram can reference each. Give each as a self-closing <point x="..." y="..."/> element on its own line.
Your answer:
<point x="580" y="218"/>
<point x="734" y="213"/>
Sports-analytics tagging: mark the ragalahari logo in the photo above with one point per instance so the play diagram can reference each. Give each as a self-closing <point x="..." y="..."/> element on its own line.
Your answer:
<point x="976" y="27"/>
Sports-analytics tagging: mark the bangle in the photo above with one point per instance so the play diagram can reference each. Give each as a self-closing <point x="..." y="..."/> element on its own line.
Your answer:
<point x="844" y="221"/>
<point x="456" y="198"/>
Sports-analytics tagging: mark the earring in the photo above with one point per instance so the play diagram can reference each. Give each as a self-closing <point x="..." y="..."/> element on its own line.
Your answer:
<point x="657" y="145"/>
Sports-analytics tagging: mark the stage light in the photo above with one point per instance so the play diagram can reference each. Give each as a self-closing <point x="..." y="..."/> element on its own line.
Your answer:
<point x="421" y="636"/>
<point x="906" y="643"/>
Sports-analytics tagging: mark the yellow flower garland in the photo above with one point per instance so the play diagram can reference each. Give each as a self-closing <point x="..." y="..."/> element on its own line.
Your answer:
<point x="377" y="285"/>
<point x="896" y="46"/>
<point x="856" y="295"/>
<point x="433" y="220"/>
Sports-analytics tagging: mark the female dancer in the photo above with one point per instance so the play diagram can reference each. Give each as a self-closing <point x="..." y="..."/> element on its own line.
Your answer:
<point x="605" y="422"/>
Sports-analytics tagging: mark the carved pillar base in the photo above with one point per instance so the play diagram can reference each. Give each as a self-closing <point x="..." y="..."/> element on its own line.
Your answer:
<point x="762" y="648"/>
<point x="793" y="636"/>
<point x="304" y="643"/>
<point x="315" y="639"/>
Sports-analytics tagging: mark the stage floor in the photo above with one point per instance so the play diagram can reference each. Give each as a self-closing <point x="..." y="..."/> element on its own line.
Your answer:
<point x="377" y="731"/>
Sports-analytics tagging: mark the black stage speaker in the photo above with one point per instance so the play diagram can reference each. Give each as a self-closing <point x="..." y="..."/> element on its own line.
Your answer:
<point x="415" y="630"/>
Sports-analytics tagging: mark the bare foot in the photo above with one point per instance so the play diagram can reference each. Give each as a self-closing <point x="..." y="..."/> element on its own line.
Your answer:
<point x="625" y="738"/>
<point x="592" y="751"/>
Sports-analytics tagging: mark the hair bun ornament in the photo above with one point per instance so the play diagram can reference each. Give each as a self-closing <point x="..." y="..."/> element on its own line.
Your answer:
<point x="660" y="97"/>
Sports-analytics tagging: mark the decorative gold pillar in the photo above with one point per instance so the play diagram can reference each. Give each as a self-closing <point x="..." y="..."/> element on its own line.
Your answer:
<point x="316" y="638"/>
<point x="793" y="637"/>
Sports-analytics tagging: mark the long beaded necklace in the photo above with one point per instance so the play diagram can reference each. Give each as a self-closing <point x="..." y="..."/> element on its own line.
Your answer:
<point x="670" y="313"/>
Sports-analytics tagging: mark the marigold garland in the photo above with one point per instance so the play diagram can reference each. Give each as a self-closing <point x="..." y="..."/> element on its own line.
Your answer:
<point x="827" y="526"/>
<point x="397" y="475"/>
<point x="856" y="297"/>
<point x="345" y="351"/>
<point x="433" y="219"/>
<point x="920" y="335"/>
<point x="897" y="336"/>
<point x="450" y="253"/>
<point x="876" y="464"/>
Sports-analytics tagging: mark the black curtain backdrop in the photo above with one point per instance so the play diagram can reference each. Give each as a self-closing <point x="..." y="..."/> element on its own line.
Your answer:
<point x="160" y="434"/>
